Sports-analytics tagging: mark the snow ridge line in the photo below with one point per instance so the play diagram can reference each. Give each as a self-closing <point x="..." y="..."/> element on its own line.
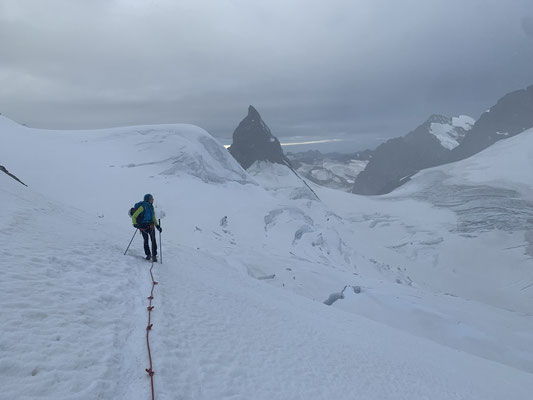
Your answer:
<point x="150" y="307"/>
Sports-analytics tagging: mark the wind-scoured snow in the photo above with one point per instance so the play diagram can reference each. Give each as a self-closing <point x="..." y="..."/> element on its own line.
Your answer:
<point x="239" y="309"/>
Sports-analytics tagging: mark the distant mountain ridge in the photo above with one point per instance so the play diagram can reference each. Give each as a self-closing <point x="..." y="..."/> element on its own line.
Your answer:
<point x="397" y="159"/>
<point x="441" y="140"/>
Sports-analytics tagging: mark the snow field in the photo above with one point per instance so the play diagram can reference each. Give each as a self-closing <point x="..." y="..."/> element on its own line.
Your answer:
<point x="218" y="333"/>
<point x="220" y="330"/>
<point x="233" y="337"/>
<point x="71" y="302"/>
<point x="506" y="164"/>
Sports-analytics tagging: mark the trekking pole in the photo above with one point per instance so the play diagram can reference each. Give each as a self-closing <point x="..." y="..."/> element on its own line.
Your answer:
<point x="160" y="245"/>
<point x="131" y="241"/>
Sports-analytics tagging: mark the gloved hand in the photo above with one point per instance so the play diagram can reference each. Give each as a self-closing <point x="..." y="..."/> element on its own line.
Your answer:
<point x="159" y="228"/>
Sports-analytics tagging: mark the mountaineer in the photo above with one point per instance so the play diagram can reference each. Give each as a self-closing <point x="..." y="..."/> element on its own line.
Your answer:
<point x="144" y="219"/>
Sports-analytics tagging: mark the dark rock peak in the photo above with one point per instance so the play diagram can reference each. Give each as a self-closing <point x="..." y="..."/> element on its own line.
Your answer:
<point x="439" y="119"/>
<point x="252" y="125"/>
<point x="511" y="115"/>
<point x="253" y="113"/>
<point x="423" y="131"/>
<point x="253" y="141"/>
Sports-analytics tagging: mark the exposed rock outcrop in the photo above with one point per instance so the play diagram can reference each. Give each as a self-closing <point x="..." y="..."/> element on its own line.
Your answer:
<point x="253" y="141"/>
<point x="2" y="168"/>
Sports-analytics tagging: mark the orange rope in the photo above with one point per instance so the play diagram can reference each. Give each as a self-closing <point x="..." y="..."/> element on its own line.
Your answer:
<point x="150" y="307"/>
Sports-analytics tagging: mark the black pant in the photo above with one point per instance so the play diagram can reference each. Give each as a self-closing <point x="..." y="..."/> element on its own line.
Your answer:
<point x="149" y="231"/>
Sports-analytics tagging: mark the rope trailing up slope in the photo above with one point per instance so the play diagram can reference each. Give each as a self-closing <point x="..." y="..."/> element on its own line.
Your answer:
<point x="150" y="307"/>
<point x="302" y="179"/>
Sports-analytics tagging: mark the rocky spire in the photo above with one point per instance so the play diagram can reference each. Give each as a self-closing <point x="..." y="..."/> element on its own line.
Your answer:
<point x="253" y="141"/>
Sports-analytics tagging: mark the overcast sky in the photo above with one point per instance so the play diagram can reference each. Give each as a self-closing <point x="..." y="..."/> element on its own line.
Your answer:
<point x="314" y="68"/>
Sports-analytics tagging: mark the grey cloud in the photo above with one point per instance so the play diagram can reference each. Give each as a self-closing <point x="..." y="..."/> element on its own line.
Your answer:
<point x="311" y="67"/>
<point x="527" y="25"/>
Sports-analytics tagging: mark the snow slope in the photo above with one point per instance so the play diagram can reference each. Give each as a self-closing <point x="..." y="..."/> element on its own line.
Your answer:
<point x="507" y="164"/>
<point x="239" y="310"/>
<point x="491" y="195"/>
<point x="78" y="329"/>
